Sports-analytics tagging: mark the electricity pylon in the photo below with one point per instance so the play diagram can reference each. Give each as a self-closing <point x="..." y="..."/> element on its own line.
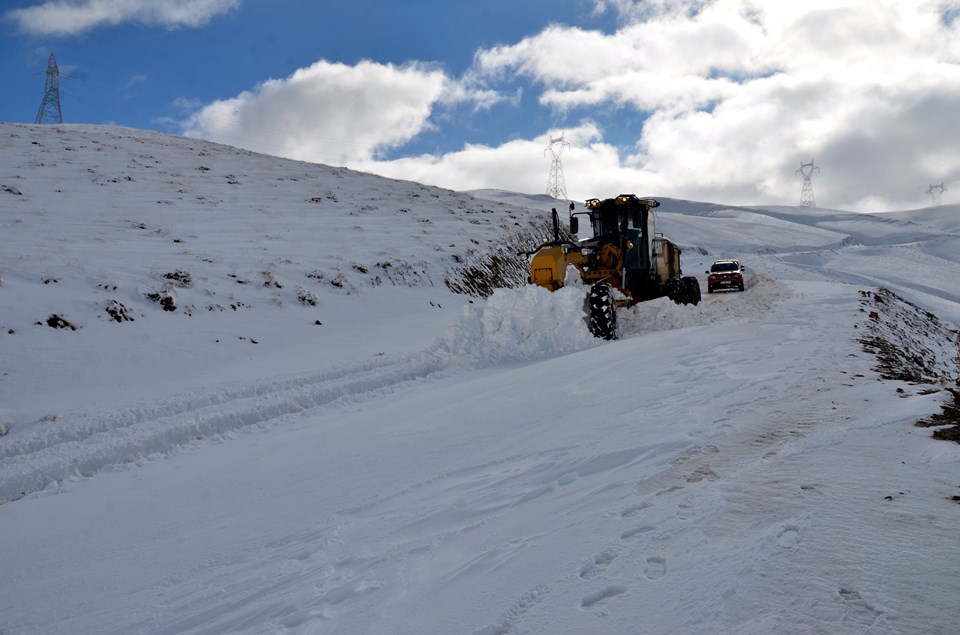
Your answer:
<point x="49" y="111"/>
<point x="806" y="193"/>
<point x="556" y="185"/>
<point x="936" y="193"/>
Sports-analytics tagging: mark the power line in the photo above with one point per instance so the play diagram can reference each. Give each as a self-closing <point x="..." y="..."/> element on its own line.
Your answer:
<point x="806" y="193"/>
<point x="935" y="192"/>
<point x="556" y="185"/>
<point x="49" y="111"/>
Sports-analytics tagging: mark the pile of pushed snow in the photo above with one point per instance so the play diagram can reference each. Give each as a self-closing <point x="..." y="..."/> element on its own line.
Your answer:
<point x="511" y="326"/>
<point x="761" y="295"/>
<point x="515" y="325"/>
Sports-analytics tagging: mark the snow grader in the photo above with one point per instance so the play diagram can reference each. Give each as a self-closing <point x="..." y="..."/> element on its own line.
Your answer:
<point x="624" y="262"/>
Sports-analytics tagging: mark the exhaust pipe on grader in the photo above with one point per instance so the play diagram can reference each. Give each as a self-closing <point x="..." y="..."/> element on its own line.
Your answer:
<point x="625" y="262"/>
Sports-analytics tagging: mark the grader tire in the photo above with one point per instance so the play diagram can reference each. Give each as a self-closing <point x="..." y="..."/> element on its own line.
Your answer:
<point x="692" y="287"/>
<point x="603" y="311"/>
<point x="676" y="291"/>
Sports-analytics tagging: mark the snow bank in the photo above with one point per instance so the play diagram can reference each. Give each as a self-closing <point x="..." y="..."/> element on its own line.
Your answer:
<point x="80" y="444"/>
<point x="512" y="326"/>
<point x="515" y="325"/>
<point x="762" y="294"/>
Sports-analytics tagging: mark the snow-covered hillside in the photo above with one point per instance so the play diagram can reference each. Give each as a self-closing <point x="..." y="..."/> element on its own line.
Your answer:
<point x="315" y="434"/>
<point x="173" y="257"/>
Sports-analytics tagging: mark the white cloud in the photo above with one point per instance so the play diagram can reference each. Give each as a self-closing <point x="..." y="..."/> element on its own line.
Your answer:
<point x="517" y="165"/>
<point x="69" y="17"/>
<point x="136" y="79"/>
<point x="735" y="95"/>
<point x="591" y="166"/>
<point x="333" y="113"/>
<point x="739" y="92"/>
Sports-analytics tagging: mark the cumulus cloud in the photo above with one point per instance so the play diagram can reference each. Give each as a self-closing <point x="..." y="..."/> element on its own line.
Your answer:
<point x="519" y="165"/>
<point x="69" y="17"/>
<point x="334" y="113"/>
<point x="739" y="92"/>
<point x="733" y="95"/>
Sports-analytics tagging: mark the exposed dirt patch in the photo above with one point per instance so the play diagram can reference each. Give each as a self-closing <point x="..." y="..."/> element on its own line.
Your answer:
<point x="58" y="322"/>
<point x="949" y="416"/>
<point x="306" y="298"/>
<point x="117" y="311"/>
<point x="479" y="272"/>
<point x="164" y="298"/>
<point x="914" y="346"/>
<point x="180" y="278"/>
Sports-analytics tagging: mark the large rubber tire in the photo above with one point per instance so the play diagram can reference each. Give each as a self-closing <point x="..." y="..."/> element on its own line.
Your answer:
<point x="692" y="286"/>
<point x="603" y="311"/>
<point x="676" y="291"/>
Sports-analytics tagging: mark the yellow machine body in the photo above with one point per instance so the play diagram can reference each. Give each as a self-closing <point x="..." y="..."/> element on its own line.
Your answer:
<point x="625" y="252"/>
<point x="624" y="262"/>
<point x="548" y="267"/>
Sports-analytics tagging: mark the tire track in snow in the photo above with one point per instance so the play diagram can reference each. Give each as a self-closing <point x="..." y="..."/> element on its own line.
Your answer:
<point x="515" y="614"/>
<point x="82" y="445"/>
<point x="504" y="329"/>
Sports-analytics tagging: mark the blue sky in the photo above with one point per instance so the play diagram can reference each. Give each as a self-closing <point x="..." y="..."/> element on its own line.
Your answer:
<point x="717" y="100"/>
<point x="138" y="75"/>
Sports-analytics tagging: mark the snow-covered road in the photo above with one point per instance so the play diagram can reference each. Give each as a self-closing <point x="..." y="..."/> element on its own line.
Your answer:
<point x="679" y="480"/>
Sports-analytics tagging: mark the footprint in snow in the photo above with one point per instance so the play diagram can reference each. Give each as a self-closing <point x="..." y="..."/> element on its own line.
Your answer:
<point x="602" y="595"/>
<point x="789" y="537"/>
<point x="655" y="568"/>
<point x="858" y="610"/>
<point x="597" y="564"/>
<point x="685" y="510"/>
<point x="633" y="510"/>
<point x="637" y="531"/>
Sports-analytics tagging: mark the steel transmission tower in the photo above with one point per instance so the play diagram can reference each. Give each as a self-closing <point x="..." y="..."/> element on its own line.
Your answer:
<point x="936" y="193"/>
<point x="556" y="185"/>
<point x="806" y="193"/>
<point x="49" y="111"/>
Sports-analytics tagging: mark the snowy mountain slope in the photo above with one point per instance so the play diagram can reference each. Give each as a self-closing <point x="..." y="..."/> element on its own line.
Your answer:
<point x="104" y="224"/>
<point x="944" y="218"/>
<point x="866" y="249"/>
<point x="426" y="462"/>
